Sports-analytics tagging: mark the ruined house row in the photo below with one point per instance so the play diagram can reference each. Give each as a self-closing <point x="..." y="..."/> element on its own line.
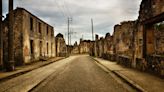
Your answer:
<point x="138" y="44"/>
<point x="33" y="39"/>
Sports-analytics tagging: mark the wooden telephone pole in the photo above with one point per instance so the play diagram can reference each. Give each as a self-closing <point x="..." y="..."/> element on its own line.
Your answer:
<point x="69" y="20"/>
<point x="10" y="64"/>
<point x="68" y="31"/>
<point x="92" y="29"/>
<point x="1" y="35"/>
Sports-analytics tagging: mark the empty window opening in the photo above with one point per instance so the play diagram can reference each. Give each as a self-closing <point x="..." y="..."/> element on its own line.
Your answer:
<point x="47" y="30"/>
<point x="47" y="48"/>
<point x="32" y="46"/>
<point x="40" y="48"/>
<point x="31" y="23"/>
<point x="40" y="29"/>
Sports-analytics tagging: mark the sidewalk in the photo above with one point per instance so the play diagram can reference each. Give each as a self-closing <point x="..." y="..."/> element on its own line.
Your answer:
<point x="145" y="81"/>
<point x="24" y="69"/>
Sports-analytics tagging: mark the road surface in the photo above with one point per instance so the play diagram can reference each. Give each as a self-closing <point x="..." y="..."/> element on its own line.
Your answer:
<point x="80" y="75"/>
<point x="74" y="74"/>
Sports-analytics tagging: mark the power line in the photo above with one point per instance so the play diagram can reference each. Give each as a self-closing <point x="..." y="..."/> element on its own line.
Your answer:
<point x="67" y="8"/>
<point x="62" y="10"/>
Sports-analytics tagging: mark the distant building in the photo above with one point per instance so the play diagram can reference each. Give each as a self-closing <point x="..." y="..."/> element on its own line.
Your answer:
<point x="61" y="48"/>
<point x="33" y="38"/>
<point x="85" y="46"/>
<point x="103" y="47"/>
<point x="75" y="49"/>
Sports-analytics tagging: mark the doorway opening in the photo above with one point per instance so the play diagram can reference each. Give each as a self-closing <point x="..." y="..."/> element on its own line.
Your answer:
<point x="32" y="48"/>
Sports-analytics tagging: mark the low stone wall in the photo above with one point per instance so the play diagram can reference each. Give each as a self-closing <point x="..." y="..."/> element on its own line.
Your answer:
<point x="63" y="55"/>
<point x="141" y="64"/>
<point x="110" y="57"/>
<point x="155" y="64"/>
<point x="124" y="60"/>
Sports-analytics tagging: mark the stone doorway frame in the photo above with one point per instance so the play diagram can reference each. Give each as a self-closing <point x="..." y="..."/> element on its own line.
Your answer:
<point x="149" y="22"/>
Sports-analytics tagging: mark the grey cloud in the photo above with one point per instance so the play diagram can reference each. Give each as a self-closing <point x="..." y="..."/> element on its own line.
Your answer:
<point x="106" y="13"/>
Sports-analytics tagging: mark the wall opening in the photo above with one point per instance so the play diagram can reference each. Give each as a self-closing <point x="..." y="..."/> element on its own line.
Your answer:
<point x="39" y="28"/>
<point x="40" y="44"/>
<point x="31" y="23"/>
<point x="47" y="49"/>
<point x="47" y="29"/>
<point x="32" y="47"/>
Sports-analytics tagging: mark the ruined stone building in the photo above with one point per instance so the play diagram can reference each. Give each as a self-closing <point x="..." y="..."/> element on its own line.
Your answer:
<point x="33" y="38"/>
<point x="124" y="42"/>
<point x="96" y="46"/>
<point x="61" y="48"/>
<point x="103" y="47"/>
<point x="85" y="46"/>
<point x="108" y="44"/>
<point x="75" y="49"/>
<point x="138" y="44"/>
<point x="151" y="26"/>
<point x="108" y="47"/>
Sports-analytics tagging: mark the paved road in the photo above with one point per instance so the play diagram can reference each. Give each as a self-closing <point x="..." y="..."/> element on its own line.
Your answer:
<point x="25" y="82"/>
<point x="74" y="74"/>
<point x="81" y="74"/>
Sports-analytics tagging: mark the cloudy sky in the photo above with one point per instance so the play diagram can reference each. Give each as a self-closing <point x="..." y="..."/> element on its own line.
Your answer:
<point x="105" y="14"/>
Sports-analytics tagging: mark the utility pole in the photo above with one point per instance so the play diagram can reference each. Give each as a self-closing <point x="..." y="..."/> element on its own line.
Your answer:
<point x="70" y="35"/>
<point x="10" y="63"/>
<point x="92" y="29"/>
<point x="1" y="35"/>
<point x="68" y="30"/>
<point x="69" y="19"/>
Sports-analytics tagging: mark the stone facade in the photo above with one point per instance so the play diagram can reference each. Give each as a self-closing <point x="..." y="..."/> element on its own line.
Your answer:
<point x="103" y="47"/>
<point x="124" y="42"/>
<point x="151" y="19"/>
<point x="108" y="47"/>
<point x="75" y="49"/>
<point x="138" y="44"/>
<point x="150" y="9"/>
<point x="33" y="38"/>
<point x="61" y="48"/>
<point x="85" y="46"/>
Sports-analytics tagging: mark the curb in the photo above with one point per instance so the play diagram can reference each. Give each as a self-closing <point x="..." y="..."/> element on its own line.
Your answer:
<point x="26" y="71"/>
<point x="124" y="78"/>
